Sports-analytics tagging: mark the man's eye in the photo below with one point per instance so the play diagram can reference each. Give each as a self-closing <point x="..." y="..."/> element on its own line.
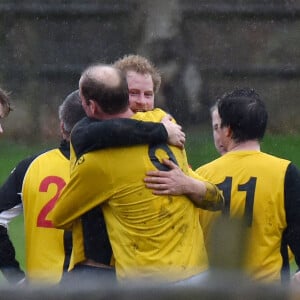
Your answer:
<point x="149" y="95"/>
<point x="133" y="92"/>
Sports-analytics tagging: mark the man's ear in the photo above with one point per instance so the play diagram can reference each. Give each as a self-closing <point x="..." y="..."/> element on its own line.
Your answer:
<point x="228" y="131"/>
<point x="94" y="107"/>
<point x="62" y="129"/>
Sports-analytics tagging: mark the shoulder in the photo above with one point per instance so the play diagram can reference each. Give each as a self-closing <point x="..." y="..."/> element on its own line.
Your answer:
<point x="85" y="132"/>
<point x="47" y="153"/>
<point x="84" y="122"/>
<point x="81" y="127"/>
<point x="274" y="158"/>
<point x="25" y="163"/>
<point x="49" y="157"/>
<point x="154" y="115"/>
<point x="292" y="172"/>
<point x="210" y="164"/>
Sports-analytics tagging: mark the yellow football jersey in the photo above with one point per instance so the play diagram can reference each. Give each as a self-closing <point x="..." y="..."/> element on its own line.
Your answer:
<point x="45" y="253"/>
<point x="157" y="237"/>
<point x="253" y="188"/>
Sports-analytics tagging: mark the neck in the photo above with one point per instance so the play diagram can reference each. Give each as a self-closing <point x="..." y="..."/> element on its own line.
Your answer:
<point x="252" y="145"/>
<point x="126" y="114"/>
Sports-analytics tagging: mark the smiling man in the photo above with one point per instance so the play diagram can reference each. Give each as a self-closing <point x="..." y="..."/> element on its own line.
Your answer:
<point x="143" y="81"/>
<point x="148" y="233"/>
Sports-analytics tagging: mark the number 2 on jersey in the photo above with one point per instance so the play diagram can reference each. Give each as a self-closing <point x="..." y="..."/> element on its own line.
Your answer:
<point x="248" y="187"/>
<point x="42" y="217"/>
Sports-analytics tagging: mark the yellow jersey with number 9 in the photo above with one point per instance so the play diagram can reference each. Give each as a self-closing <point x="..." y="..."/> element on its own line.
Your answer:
<point x="152" y="237"/>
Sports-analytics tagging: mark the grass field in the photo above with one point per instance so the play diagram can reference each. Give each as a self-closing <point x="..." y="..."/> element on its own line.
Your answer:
<point x="199" y="147"/>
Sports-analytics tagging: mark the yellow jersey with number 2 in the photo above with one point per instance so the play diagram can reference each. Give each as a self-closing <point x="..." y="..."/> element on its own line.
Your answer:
<point x="45" y="253"/>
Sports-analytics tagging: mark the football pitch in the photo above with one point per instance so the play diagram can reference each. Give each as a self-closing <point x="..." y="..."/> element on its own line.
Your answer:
<point x="199" y="146"/>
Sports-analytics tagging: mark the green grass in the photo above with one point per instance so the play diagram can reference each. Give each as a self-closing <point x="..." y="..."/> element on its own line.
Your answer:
<point x="11" y="153"/>
<point x="285" y="146"/>
<point x="200" y="149"/>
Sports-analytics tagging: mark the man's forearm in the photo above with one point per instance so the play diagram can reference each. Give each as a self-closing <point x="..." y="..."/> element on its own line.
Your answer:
<point x="204" y="194"/>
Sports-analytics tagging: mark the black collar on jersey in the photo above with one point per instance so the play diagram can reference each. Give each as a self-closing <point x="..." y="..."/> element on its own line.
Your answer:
<point x="64" y="148"/>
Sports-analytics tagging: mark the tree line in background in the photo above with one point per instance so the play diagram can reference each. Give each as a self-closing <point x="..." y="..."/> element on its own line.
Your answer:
<point x="203" y="48"/>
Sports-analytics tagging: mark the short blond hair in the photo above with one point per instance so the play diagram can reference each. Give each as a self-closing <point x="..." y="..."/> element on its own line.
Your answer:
<point x="140" y="65"/>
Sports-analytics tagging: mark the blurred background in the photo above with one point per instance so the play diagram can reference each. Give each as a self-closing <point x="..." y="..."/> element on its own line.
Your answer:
<point x="203" y="48"/>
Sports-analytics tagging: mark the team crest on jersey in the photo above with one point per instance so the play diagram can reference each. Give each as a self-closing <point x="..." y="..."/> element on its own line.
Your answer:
<point x="80" y="160"/>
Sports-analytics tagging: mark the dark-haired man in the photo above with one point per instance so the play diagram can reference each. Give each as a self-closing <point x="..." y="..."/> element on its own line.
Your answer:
<point x="261" y="188"/>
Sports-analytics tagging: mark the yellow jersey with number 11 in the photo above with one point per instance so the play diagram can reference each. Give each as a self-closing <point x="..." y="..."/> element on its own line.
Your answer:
<point x="253" y="188"/>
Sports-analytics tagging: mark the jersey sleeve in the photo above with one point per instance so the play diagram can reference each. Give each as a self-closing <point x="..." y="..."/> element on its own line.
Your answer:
<point x="10" y="197"/>
<point x="213" y="199"/>
<point x="91" y="134"/>
<point x="82" y="193"/>
<point x="292" y="208"/>
<point x="10" y="191"/>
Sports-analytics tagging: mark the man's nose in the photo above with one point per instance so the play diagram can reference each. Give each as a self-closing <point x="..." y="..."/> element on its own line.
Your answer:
<point x="141" y="99"/>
